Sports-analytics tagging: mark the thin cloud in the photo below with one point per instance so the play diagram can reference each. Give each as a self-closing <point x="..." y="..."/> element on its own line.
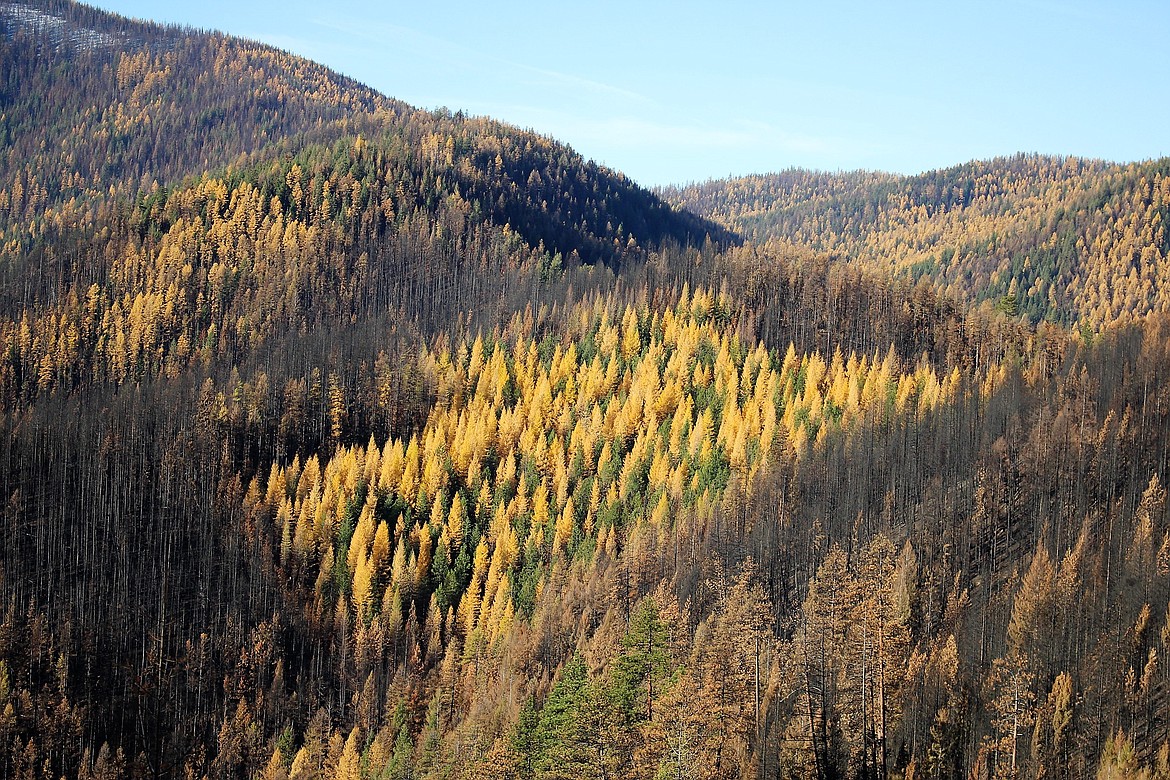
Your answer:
<point x="380" y="31"/>
<point x="569" y="80"/>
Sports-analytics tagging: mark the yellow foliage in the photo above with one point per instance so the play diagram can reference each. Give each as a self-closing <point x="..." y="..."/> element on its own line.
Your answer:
<point x="456" y="521"/>
<point x="541" y="511"/>
<point x="564" y="529"/>
<point x="660" y="518"/>
<point x="426" y="546"/>
<point x="380" y="551"/>
<point x="631" y="338"/>
<point x="349" y="765"/>
<point x="363" y="535"/>
<point x="408" y="484"/>
<point x="277" y="486"/>
<point x="363" y="587"/>
<point x="574" y="421"/>
<point x="301" y="763"/>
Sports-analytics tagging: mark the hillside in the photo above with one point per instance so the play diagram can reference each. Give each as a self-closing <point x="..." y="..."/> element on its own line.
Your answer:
<point x="98" y="108"/>
<point x="347" y="441"/>
<point x="165" y="190"/>
<point x="1062" y="239"/>
<point x="93" y="101"/>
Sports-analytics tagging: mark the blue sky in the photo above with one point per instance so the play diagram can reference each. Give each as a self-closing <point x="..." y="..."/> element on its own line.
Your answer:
<point x="672" y="92"/>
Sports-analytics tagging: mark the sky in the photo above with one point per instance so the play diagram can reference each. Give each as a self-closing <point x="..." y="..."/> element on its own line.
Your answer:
<point x="678" y="92"/>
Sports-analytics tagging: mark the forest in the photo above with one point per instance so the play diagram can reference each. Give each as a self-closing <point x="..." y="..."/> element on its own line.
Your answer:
<point x="344" y="440"/>
<point x="1068" y="240"/>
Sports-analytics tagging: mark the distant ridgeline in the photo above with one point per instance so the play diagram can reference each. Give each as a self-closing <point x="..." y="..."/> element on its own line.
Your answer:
<point x="343" y="440"/>
<point x="1063" y="239"/>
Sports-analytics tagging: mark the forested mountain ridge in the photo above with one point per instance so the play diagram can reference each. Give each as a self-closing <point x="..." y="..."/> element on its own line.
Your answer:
<point x="93" y="101"/>
<point x="142" y="107"/>
<point x="347" y="441"/>
<point x="171" y="190"/>
<point x="1057" y="238"/>
<point x="327" y="235"/>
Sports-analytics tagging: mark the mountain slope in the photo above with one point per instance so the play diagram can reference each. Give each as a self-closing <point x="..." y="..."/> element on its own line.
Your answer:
<point x="148" y="103"/>
<point x="1053" y="238"/>
<point x="99" y="107"/>
<point x="167" y="195"/>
